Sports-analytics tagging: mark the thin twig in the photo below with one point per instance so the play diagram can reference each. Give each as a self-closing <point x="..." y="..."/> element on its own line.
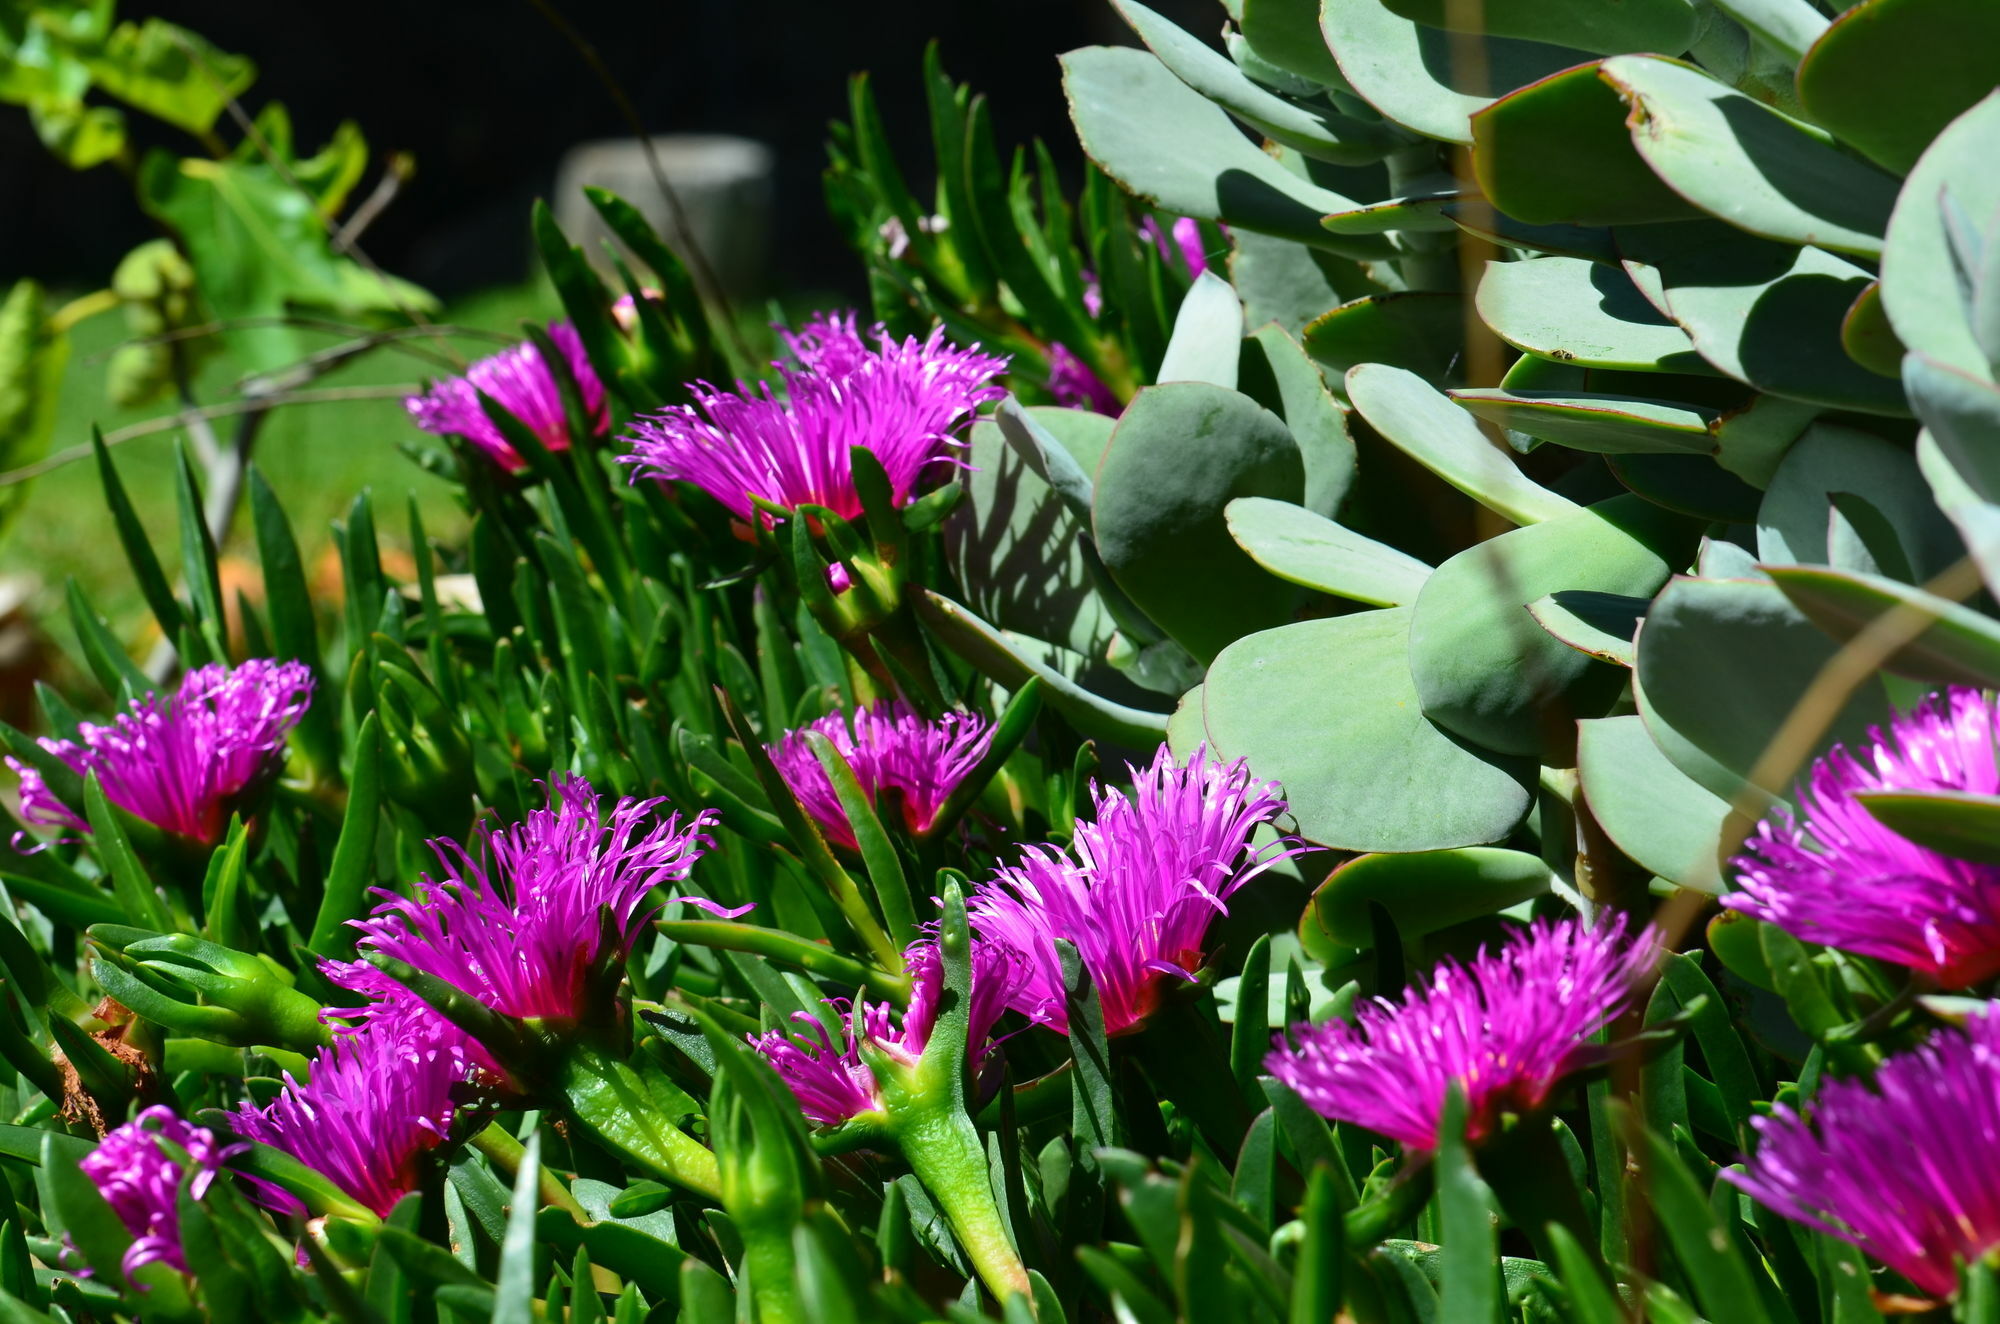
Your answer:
<point x="691" y="250"/>
<point x="153" y="426"/>
<point x="398" y="172"/>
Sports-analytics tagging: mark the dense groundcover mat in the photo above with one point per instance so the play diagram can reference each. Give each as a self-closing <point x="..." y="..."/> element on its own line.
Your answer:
<point x="1380" y="712"/>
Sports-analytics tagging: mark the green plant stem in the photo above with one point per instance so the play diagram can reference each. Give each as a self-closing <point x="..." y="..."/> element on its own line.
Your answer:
<point x="943" y="1148"/>
<point x="785" y="949"/>
<point x="506" y="1154"/>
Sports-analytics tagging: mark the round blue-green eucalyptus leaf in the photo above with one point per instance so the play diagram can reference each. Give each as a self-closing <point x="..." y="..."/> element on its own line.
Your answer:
<point x="1481" y="665"/>
<point x="1327" y="707"/>
<point x="1179" y="455"/>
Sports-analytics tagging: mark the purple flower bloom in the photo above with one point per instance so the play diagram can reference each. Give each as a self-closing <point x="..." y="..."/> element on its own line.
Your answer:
<point x="182" y="764"/>
<point x="1137" y="889"/>
<point x="519" y="380"/>
<point x="832" y="1082"/>
<point x="1907" y="1168"/>
<point x="516" y="924"/>
<point x="1073" y="384"/>
<point x="1506" y="1027"/>
<point x="142" y="1182"/>
<point x="901" y="401"/>
<point x="376" y="1102"/>
<point x="1836" y="876"/>
<point x="892" y="749"/>
<point x="1185" y="237"/>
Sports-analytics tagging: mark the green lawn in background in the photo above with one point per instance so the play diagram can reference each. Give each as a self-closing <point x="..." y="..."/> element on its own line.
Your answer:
<point x="317" y="457"/>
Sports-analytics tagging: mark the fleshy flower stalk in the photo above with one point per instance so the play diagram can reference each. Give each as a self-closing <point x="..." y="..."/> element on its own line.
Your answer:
<point x="375" y="1103"/>
<point x="141" y="1181"/>
<point x="1835" y="875"/>
<point x="835" y="1086"/>
<point x="531" y="921"/>
<point x="1137" y="888"/>
<point x="519" y="380"/>
<point x="907" y="1085"/>
<point x="1906" y="1167"/>
<point x="1505" y="1027"/>
<point x="891" y="749"/>
<point x="184" y="763"/>
<point x="902" y="401"/>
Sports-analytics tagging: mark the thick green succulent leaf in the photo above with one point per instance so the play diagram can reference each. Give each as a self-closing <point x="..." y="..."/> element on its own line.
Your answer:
<point x="1480" y="665"/>
<point x="1286" y="32"/>
<point x="1923" y="279"/>
<point x="1667" y="822"/>
<point x="1750" y="165"/>
<point x="1955" y="823"/>
<point x="1794" y="522"/>
<point x="1011" y="659"/>
<point x="1869" y="337"/>
<point x="1721" y="665"/>
<point x="1603" y="625"/>
<point x="1417" y="213"/>
<point x="1694" y="485"/>
<point x="1890" y="74"/>
<point x="1018" y="548"/>
<point x="1207" y="343"/>
<point x="1376" y="775"/>
<point x="1557" y="239"/>
<point x="1169" y="144"/>
<point x="1588" y="25"/>
<point x="1423" y="78"/>
<point x="1976" y="518"/>
<point x="1765" y="313"/>
<point x="1609" y="424"/>
<point x="1296" y="545"/>
<point x="1289" y="283"/>
<point x="1424" y="424"/>
<point x="1178" y="456"/>
<point x="1277" y="374"/>
<point x="1788" y="27"/>
<point x="1425" y="891"/>
<point x="1586" y="313"/>
<point x="1316" y="130"/>
<point x="1962" y="411"/>
<point x="1419" y="330"/>
<point x="1959" y="647"/>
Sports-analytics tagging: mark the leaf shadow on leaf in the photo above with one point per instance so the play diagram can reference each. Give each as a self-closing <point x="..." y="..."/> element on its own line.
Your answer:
<point x="1772" y="146"/>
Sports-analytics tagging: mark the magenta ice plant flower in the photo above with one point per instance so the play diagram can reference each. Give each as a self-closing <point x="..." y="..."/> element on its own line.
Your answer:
<point x="1505" y="1027"/>
<point x="141" y="1180"/>
<point x="373" y="1105"/>
<point x="1074" y="385"/>
<point x="833" y="1083"/>
<point x="904" y="401"/>
<point x="1906" y="1166"/>
<point x="891" y="749"/>
<point x="182" y="763"/>
<point x="1834" y="875"/>
<point x="1181" y="239"/>
<point x="515" y="922"/>
<point x="1137" y="888"/>
<point x="519" y="380"/>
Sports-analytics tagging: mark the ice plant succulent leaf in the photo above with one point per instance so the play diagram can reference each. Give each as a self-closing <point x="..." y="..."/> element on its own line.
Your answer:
<point x="1506" y="1027"/>
<point x="1138" y="886"/>
<point x="890" y="748"/>
<point x="141" y="1180"/>
<point x="902" y="401"/>
<point x="1835" y="875"/>
<point x="1906" y="1167"/>
<point x="375" y="1102"/>
<point x="520" y="381"/>
<point x="185" y="762"/>
<point x="524" y="920"/>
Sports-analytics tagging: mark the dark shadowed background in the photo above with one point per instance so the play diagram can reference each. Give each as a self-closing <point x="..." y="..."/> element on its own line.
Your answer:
<point x="488" y="96"/>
